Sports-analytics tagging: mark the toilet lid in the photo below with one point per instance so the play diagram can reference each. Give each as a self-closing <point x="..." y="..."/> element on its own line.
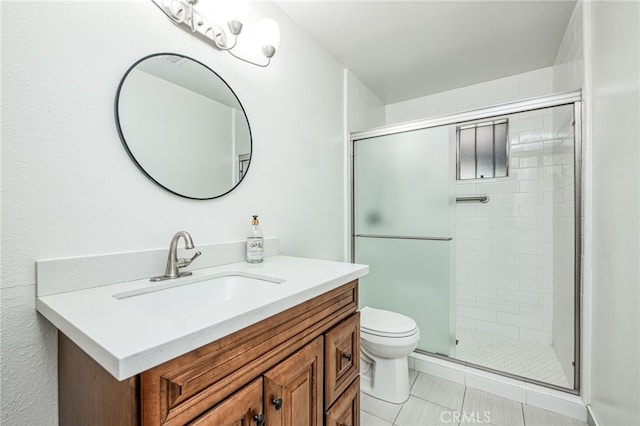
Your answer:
<point x="386" y="323"/>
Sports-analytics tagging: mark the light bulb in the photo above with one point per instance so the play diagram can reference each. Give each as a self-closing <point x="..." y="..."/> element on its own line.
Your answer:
<point x="268" y="32"/>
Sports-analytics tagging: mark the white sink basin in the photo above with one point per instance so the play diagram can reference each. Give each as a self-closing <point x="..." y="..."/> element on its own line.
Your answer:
<point x="191" y="294"/>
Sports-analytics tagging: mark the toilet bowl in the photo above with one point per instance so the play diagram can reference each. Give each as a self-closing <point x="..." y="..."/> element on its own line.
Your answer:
<point x="386" y="340"/>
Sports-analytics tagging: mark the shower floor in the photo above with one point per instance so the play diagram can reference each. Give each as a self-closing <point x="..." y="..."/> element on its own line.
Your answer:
<point x="523" y="358"/>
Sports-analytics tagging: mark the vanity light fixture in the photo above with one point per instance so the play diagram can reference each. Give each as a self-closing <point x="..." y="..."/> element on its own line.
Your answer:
<point x="182" y="13"/>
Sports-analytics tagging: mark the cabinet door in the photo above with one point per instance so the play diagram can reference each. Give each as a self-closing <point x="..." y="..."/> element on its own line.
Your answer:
<point x="293" y="389"/>
<point x="243" y="408"/>
<point x="346" y="410"/>
<point x="342" y="357"/>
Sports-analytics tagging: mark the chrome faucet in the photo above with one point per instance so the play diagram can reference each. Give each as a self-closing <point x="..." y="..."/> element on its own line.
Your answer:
<point x="173" y="263"/>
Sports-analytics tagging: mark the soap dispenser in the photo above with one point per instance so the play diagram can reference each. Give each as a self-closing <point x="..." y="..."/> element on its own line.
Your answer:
<point x="255" y="248"/>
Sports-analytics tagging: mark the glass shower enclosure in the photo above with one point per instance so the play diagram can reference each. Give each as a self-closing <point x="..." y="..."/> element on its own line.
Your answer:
<point x="485" y="258"/>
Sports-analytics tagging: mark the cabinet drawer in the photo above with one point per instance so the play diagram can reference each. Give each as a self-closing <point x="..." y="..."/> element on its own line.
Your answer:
<point x="241" y="408"/>
<point x="346" y="410"/>
<point x="342" y="357"/>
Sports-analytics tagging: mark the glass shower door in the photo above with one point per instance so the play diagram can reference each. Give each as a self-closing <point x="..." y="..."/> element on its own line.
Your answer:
<point x="403" y="229"/>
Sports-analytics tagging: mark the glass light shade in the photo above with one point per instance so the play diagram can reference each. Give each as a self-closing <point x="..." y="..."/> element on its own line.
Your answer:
<point x="268" y="32"/>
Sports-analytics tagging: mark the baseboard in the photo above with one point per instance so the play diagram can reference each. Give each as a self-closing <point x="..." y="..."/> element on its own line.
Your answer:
<point x="591" y="418"/>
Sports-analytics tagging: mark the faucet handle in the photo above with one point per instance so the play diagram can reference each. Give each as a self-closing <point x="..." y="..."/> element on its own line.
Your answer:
<point x="186" y="262"/>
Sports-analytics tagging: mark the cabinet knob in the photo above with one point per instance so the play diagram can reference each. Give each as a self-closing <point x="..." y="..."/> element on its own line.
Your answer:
<point x="277" y="403"/>
<point x="259" y="418"/>
<point x="347" y="356"/>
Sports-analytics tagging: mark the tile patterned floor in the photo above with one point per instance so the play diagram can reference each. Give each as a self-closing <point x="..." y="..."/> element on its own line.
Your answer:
<point x="523" y="358"/>
<point x="435" y="402"/>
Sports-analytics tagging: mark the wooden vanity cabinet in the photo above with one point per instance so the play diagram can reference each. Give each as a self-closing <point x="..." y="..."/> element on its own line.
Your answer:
<point x="299" y="367"/>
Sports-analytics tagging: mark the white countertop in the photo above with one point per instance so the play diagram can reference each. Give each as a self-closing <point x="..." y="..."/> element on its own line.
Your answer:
<point x="126" y="341"/>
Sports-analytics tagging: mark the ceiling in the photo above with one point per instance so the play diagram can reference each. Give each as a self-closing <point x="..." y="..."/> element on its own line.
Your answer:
<point x="408" y="49"/>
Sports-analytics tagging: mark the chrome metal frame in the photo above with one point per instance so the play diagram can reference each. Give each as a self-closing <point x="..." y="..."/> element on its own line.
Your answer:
<point x="577" y="250"/>
<point x="476" y="125"/>
<point x="474" y="114"/>
<point x="567" y="98"/>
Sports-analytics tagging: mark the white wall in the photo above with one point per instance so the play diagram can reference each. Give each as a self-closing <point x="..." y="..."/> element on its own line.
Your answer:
<point x="600" y="53"/>
<point x="514" y="88"/>
<point x="614" y="61"/>
<point x="364" y="109"/>
<point x="69" y="188"/>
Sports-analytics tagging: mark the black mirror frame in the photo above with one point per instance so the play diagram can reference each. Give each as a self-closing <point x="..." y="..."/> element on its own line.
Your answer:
<point x="132" y="157"/>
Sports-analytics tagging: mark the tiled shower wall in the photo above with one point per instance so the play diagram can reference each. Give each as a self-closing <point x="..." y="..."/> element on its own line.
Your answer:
<point x="505" y="248"/>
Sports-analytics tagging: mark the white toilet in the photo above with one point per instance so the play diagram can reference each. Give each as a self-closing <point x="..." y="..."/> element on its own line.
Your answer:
<point x="386" y="340"/>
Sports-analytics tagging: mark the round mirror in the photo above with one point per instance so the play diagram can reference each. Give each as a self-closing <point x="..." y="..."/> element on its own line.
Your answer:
<point x="183" y="126"/>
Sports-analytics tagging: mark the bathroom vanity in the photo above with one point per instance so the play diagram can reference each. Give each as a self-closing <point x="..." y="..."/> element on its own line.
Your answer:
<point x="291" y="360"/>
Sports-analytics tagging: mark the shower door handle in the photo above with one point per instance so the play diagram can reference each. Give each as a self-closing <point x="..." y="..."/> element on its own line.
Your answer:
<point x="405" y="237"/>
